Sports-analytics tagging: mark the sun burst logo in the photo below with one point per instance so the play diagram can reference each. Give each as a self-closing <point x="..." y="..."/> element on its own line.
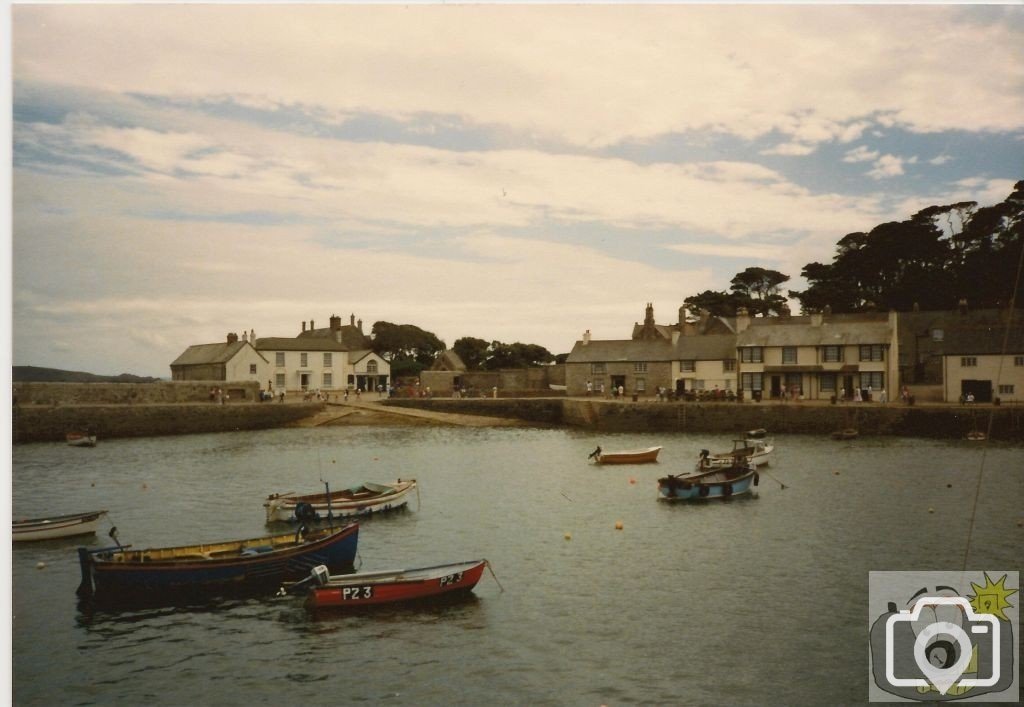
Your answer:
<point x="992" y="598"/>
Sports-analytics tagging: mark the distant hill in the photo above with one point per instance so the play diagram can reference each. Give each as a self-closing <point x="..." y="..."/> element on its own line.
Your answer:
<point x="35" y="374"/>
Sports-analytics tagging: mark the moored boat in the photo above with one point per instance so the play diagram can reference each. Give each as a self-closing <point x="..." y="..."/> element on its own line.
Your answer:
<point x="64" y="526"/>
<point x="232" y="566"/>
<point x="722" y="482"/>
<point x="81" y="439"/>
<point x="390" y="586"/>
<point x="755" y="451"/>
<point x="635" y="456"/>
<point x="364" y="499"/>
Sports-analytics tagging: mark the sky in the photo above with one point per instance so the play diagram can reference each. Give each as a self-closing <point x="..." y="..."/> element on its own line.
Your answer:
<point x="512" y="173"/>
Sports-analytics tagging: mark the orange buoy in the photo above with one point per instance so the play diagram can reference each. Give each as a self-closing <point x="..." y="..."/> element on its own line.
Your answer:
<point x="618" y="525"/>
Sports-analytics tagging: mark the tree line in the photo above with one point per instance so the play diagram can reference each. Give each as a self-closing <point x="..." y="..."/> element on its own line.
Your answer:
<point x="932" y="260"/>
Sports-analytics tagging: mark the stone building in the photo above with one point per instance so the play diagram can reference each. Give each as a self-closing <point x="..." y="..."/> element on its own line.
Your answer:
<point x="233" y="360"/>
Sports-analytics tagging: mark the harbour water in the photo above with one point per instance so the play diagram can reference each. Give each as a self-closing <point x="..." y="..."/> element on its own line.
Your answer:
<point x="758" y="600"/>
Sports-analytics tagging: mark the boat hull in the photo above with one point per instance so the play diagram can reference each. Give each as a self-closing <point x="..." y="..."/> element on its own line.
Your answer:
<point x="758" y="454"/>
<point x="374" y="588"/>
<point x="640" y="456"/>
<point x="718" y="484"/>
<point x="244" y="566"/>
<point x="66" y="526"/>
<point x="81" y="439"/>
<point x="385" y="497"/>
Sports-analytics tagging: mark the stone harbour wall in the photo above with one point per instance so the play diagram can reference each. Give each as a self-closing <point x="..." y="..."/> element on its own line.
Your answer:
<point x="49" y="423"/>
<point x="945" y="421"/>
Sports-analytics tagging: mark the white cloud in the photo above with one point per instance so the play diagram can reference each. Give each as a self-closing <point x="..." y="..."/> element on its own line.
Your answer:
<point x="887" y="166"/>
<point x="518" y="66"/>
<point x="940" y="159"/>
<point x="751" y="252"/>
<point x="790" y="149"/>
<point x="861" y="154"/>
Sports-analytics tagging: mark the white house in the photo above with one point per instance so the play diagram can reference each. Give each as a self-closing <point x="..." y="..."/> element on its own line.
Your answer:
<point x="231" y="360"/>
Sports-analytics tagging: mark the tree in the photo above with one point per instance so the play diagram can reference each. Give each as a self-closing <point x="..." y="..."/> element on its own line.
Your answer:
<point x="758" y="290"/>
<point x="406" y="347"/>
<point x="719" y="304"/>
<point x="472" y="351"/>
<point x="516" y="355"/>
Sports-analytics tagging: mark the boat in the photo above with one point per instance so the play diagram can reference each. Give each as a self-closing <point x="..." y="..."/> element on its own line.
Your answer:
<point x="363" y="499"/>
<point x="848" y="433"/>
<point x="708" y="482"/>
<point x="232" y="566"/>
<point x="755" y="451"/>
<point x="389" y="586"/>
<point x="636" y="456"/>
<point x="81" y="439"/>
<point x="65" y="526"/>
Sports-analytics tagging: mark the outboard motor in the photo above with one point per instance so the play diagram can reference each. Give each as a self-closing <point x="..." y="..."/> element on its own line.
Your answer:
<point x="320" y="575"/>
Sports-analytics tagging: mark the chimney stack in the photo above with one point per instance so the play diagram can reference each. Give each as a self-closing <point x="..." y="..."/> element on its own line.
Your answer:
<point x="742" y="320"/>
<point x="352" y="319"/>
<point x="359" y="325"/>
<point x="303" y="325"/>
<point x="586" y="337"/>
<point x="335" y="322"/>
<point x="311" y="326"/>
<point x="232" y="338"/>
<point x="816" y="318"/>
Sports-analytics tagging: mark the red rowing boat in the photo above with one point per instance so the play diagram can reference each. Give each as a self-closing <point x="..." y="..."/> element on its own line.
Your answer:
<point x="390" y="586"/>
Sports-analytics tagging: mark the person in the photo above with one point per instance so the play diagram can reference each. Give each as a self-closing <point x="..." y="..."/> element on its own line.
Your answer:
<point x="622" y="391"/>
<point x="590" y="387"/>
<point x="970" y="398"/>
<point x="869" y="394"/>
<point x="881" y="396"/>
<point x="856" y="395"/>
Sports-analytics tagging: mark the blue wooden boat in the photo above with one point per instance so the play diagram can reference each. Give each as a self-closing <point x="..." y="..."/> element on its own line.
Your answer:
<point x="708" y="483"/>
<point x="228" y="567"/>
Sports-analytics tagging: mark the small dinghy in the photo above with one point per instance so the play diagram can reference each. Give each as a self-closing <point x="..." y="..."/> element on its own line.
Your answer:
<point x="636" y="456"/>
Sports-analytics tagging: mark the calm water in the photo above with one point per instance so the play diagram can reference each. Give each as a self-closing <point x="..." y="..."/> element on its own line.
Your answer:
<point x="750" y="601"/>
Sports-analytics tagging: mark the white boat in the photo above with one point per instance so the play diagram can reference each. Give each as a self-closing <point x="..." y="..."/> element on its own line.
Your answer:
<point x="65" y="526"/>
<point x="359" y="500"/>
<point x="754" y="451"/>
<point x="81" y="439"/>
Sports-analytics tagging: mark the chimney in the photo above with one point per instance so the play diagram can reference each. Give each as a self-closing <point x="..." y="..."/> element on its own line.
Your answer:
<point x="675" y="337"/>
<point x="311" y="326"/>
<point x="816" y="318"/>
<point x="962" y="305"/>
<point x="352" y="319"/>
<point x="245" y="337"/>
<point x="703" y="320"/>
<point x="232" y="338"/>
<point x="359" y="324"/>
<point x="303" y="325"/>
<point x="649" y="315"/>
<point x="335" y="322"/>
<point x="586" y="337"/>
<point x="682" y="317"/>
<point x="742" y="320"/>
<point x="252" y="336"/>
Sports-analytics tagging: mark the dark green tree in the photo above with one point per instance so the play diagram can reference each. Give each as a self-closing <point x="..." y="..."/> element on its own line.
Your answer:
<point x="406" y="347"/>
<point x="759" y="290"/>
<point x="472" y="351"/>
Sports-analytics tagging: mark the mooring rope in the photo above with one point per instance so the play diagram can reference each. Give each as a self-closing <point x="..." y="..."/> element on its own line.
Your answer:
<point x="488" y="563"/>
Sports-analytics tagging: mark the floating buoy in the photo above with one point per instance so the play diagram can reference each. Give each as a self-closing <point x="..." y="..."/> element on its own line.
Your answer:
<point x="144" y="487"/>
<point x="618" y="525"/>
<point x="40" y="565"/>
<point x="949" y="486"/>
<point x="632" y="480"/>
<point x="568" y="536"/>
<point x="931" y="510"/>
<point x="836" y="472"/>
<point x="93" y="484"/>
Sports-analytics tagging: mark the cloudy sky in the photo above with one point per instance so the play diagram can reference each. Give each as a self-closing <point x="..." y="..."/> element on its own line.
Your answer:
<point x="518" y="173"/>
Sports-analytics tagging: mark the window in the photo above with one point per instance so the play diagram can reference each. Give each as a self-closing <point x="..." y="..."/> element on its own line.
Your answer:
<point x="728" y="364"/>
<point x="794" y="381"/>
<point x="597" y="368"/>
<point x="641" y="385"/>
<point x="279" y="381"/>
<point x="872" y="352"/>
<point x="1006" y="389"/>
<point x="832" y="354"/>
<point x="874" y="379"/>
<point x="328" y="360"/>
<point x="279" y="359"/>
<point x="371" y="367"/>
<point x="1018" y="360"/>
<point x="938" y="335"/>
<point x="789" y="354"/>
<point x="752" y="354"/>
<point x="698" y="385"/>
<point x="688" y="366"/>
<point x="252" y="369"/>
<point x="968" y="361"/>
<point x="904" y="359"/>
<point x="328" y="380"/>
<point x="303" y="359"/>
<point x="640" y="367"/>
<point x="827" y="382"/>
<point x="751" y="381"/>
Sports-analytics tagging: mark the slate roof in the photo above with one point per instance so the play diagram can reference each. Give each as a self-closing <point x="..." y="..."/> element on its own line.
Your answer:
<point x="351" y="336"/>
<point x="709" y="347"/>
<point x="203" y="354"/>
<point x="835" y="330"/>
<point x="284" y="343"/>
<point x="448" y="361"/>
<point x="977" y="332"/>
<point x="611" y="350"/>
